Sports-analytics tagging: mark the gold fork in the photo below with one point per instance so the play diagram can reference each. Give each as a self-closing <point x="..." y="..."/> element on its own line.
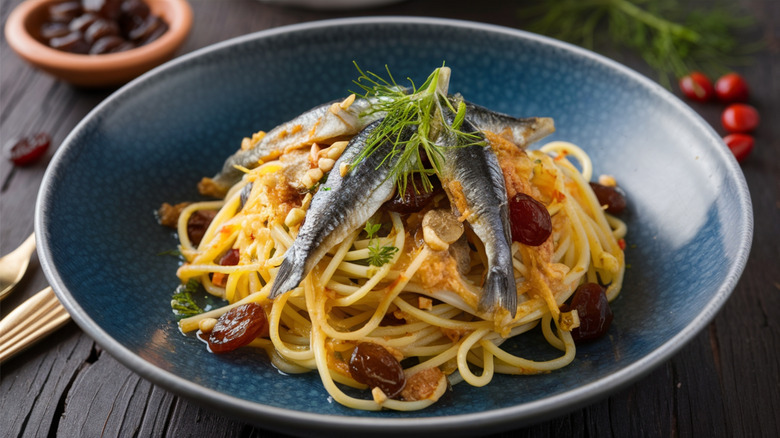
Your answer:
<point x="33" y="320"/>
<point x="14" y="264"/>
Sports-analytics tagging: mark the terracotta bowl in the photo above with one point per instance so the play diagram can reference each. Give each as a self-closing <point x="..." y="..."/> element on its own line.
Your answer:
<point x="22" y="34"/>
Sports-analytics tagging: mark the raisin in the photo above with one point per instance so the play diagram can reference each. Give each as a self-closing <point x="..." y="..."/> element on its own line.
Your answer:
<point x="590" y="301"/>
<point x="145" y="29"/>
<point x="529" y="220"/>
<point x="609" y="196"/>
<point x="72" y="42"/>
<point x="107" y="44"/>
<point x="135" y="8"/>
<point x="54" y="30"/>
<point x="90" y="22"/>
<point x="372" y="365"/>
<point x="156" y="33"/>
<point x="415" y="197"/>
<point x="100" y="28"/>
<point x="64" y="12"/>
<point x="198" y="223"/>
<point x="238" y="327"/>
<point x="82" y="22"/>
<point x="109" y="9"/>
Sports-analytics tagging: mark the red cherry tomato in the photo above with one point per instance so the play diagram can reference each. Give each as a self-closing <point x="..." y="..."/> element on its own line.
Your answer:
<point x="740" y="117"/>
<point x="740" y="145"/>
<point x="732" y="88"/>
<point x="696" y="86"/>
<point x="28" y="149"/>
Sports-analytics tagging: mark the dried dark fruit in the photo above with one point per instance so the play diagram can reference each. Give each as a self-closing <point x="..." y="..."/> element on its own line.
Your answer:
<point x="135" y="8"/>
<point x="99" y="29"/>
<point x="109" y="9"/>
<point x="590" y="302"/>
<point x="82" y="27"/>
<point x="82" y="22"/>
<point x="64" y="12"/>
<point x="107" y="44"/>
<point x="157" y="33"/>
<point x="198" y="223"/>
<point x="415" y="197"/>
<point x="238" y="327"/>
<point x="72" y="42"/>
<point x="147" y="28"/>
<point x="372" y="365"/>
<point x="609" y="196"/>
<point x="54" y="30"/>
<point x="529" y="220"/>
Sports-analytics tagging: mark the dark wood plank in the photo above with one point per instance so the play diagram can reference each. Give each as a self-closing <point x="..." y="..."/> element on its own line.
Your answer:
<point x="106" y="399"/>
<point x="158" y="413"/>
<point x="34" y="386"/>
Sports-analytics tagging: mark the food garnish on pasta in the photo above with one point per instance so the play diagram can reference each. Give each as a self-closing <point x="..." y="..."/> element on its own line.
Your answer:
<point x="394" y="240"/>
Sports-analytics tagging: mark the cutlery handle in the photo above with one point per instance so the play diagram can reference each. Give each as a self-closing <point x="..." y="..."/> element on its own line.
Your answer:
<point x="14" y="264"/>
<point x="32" y="321"/>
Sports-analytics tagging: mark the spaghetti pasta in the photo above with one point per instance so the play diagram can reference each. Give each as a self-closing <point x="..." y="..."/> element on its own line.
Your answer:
<point x="421" y="305"/>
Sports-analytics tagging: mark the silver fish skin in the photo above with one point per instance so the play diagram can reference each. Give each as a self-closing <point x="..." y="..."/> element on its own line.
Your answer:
<point x="477" y="170"/>
<point x="340" y="206"/>
<point x="321" y="124"/>
<point x="523" y="131"/>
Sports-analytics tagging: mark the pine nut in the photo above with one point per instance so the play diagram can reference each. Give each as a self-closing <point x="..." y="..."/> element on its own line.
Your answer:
<point x="607" y="180"/>
<point x="335" y="150"/>
<point x="347" y="102"/>
<point x="315" y="174"/>
<point x="294" y="217"/>
<point x="326" y="164"/>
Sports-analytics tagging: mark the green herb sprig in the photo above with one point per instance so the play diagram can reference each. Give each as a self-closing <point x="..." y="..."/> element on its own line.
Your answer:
<point x="378" y="255"/>
<point x="670" y="38"/>
<point x="171" y="252"/>
<point x="416" y="109"/>
<point x="182" y="302"/>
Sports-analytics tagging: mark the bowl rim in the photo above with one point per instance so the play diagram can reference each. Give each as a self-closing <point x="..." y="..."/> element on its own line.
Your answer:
<point x="299" y="422"/>
<point x="177" y="14"/>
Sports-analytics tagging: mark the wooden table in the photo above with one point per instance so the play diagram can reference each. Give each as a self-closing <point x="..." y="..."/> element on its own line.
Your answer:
<point x="726" y="382"/>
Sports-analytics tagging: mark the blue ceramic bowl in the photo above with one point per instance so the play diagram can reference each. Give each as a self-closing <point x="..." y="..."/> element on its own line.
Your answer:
<point x="689" y="216"/>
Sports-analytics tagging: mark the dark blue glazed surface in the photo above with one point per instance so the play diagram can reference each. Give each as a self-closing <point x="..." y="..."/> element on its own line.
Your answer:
<point x="689" y="216"/>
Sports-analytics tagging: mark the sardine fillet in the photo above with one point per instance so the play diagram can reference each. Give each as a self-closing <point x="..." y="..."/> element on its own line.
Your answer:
<point x="476" y="172"/>
<point x="340" y="206"/>
<point x="322" y="124"/>
<point x="521" y="131"/>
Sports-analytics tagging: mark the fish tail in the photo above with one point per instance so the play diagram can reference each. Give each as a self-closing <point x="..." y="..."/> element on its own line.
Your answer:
<point x="289" y="276"/>
<point x="499" y="291"/>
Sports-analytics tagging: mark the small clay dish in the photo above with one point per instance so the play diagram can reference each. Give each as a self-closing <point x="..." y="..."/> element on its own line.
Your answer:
<point x="23" y="33"/>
